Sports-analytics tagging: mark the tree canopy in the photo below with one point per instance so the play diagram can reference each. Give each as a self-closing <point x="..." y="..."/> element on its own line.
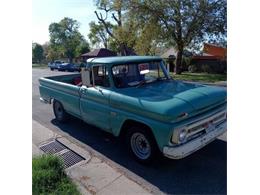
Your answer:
<point x="144" y="25"/>
<point x="37" y="52"/>
<point x="98" y="34"/>
<point x="184" y="22"/>
<point x="65" y="38"/>
<point x="121" y="33"/>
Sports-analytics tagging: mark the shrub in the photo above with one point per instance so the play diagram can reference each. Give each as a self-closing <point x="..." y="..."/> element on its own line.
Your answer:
<point x="213" y="67"/>
<point x="48" y="176"/>
<point x="193" y="68"/>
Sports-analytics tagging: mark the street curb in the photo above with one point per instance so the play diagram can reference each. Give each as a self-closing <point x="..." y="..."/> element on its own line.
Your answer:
<point x="92" y="175"/>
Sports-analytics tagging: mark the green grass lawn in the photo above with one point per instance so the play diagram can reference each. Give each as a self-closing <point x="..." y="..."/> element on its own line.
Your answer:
<point x="49" y="177"/>
<point x="39" y="66"/>
<point x="200" y="77"/>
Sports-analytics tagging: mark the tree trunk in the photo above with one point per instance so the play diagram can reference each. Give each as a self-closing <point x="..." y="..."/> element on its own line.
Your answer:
<point x="178" y="62"/>
<point x="105" y="44"/>
<point x="70" y="60"/>
<point x="171" y="65"/>
<point x="123" y="50"/>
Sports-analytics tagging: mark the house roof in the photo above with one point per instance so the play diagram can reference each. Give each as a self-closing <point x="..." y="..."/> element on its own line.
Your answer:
<point x="214" y="50"/>
<point x="123" y="59"/>
<point x="99" y="53"/>
<point x="173" y="52"/>
<point x="169" y="52"/>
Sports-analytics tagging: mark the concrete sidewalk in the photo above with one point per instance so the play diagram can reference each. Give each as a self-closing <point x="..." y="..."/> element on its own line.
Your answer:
<point x="92" y="176"/>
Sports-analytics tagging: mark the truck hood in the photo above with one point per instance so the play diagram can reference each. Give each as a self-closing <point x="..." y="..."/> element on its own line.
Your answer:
<point x="168" y="101"/>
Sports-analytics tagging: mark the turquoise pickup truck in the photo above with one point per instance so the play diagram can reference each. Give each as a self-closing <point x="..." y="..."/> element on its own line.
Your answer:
<point x="134" y="97"/>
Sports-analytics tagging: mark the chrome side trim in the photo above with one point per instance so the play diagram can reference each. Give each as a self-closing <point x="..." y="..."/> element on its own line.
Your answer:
<point x="44" y="101"/>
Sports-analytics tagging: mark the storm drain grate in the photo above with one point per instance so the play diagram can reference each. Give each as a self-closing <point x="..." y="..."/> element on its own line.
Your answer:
<point x="53" y="147"/>
<point x="70" y="158"/>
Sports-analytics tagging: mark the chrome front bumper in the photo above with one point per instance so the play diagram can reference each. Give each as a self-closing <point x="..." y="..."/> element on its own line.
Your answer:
<point x="178" y="152"/>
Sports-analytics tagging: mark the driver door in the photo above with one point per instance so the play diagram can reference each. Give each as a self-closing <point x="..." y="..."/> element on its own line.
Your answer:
<point x="95" y="100"/>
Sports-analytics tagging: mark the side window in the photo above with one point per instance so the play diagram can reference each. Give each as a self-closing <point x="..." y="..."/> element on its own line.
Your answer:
<point x="100" y="76"/>
<point x="120" y="69"/>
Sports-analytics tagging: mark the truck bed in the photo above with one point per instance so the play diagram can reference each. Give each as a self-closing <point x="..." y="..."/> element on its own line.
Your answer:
<point x="64" y="88"/>
<point x="69" y="79"/>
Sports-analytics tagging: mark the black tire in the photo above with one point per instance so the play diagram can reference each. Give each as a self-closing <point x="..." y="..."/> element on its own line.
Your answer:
<point x="60" y="114"/>
<point x="52" y="69"/>
<point x="150" y="149"/>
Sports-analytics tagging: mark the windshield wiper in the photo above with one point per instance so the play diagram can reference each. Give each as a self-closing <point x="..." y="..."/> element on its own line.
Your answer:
<point x="142" y="82"/>
<point x="145" y="81"/>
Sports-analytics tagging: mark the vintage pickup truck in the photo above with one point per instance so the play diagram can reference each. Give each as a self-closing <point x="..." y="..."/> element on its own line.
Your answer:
<point x="135" y="98"/>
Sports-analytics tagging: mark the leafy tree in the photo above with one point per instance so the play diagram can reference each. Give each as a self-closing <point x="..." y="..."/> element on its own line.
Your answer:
<point x="184" y="23"/>
<point x="82" y="48"/>
<point x="148" y="38"/>
<point x="53" y="54"/>
<point x="65" y="37"/>
<point x="37" y="52"/>
<point x="98" y="34"/>
<point x="121" y="31"/>
<point x="45" y="47"/>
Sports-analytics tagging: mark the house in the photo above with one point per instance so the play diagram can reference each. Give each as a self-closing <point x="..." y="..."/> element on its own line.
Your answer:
<point x="215" y="57"/>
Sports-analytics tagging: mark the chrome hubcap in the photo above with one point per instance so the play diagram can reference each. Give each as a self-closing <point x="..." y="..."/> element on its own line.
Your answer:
<point x="140" y="146"/>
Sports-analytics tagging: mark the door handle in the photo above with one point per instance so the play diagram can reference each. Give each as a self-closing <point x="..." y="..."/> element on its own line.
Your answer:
<point x="101" y="91"/>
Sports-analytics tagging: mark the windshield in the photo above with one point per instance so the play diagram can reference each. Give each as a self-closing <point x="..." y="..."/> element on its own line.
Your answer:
<point x="129" y="75"/>
<point x="58" y="62"/>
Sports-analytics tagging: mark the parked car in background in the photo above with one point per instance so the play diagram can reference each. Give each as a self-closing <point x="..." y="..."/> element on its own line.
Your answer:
<point x="68" y="67"/>
<point x="54" y="65"/>
<point x="63" y="66"/>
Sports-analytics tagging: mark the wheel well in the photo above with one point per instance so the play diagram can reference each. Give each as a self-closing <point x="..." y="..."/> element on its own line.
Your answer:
<point x="130" y="123"/>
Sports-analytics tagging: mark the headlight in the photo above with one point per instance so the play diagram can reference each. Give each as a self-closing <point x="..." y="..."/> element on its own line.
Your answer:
<point x="182" y="135"/>
<point x="179" y="135"/>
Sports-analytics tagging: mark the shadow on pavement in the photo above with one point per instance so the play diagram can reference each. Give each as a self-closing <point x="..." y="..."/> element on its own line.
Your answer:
<point x="203" y="172"/>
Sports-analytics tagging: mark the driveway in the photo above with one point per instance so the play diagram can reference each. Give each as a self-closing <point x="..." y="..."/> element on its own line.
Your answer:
<point x="203" y="172"/>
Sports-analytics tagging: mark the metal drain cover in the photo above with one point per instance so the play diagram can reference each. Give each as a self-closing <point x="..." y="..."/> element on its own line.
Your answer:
<point x="53" y="147"/>
<point x="70" y="158"/>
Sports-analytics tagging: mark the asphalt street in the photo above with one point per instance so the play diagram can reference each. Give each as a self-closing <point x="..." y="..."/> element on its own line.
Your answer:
<point x="203" y="172"/>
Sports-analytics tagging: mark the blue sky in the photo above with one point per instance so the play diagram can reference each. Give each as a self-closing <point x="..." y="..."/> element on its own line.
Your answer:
<point x="44" y="12"/>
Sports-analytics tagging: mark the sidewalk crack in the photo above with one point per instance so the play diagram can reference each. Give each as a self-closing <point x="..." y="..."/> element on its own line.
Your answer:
<point x="109" y="183"/>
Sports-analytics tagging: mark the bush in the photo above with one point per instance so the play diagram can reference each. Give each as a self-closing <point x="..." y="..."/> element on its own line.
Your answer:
<point x="213" y="67"/>
<point x="48" y="176"/>
<point x="193" y="68"/>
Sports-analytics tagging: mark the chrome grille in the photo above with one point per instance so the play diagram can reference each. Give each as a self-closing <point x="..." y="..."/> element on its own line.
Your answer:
<point x="203" y="124"/>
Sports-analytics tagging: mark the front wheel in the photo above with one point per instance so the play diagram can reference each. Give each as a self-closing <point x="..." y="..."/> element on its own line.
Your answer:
<point x="60" y="114"/>
<point x="142" y="145"/>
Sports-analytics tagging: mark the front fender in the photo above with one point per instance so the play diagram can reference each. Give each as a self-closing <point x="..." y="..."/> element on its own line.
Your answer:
<point x="161" y="131"/>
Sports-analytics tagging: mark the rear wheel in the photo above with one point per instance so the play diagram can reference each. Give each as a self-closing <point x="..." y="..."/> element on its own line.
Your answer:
<point x="141" y="144"/>
<point x="60" y="114"/>
<point x="52" y="69"/>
